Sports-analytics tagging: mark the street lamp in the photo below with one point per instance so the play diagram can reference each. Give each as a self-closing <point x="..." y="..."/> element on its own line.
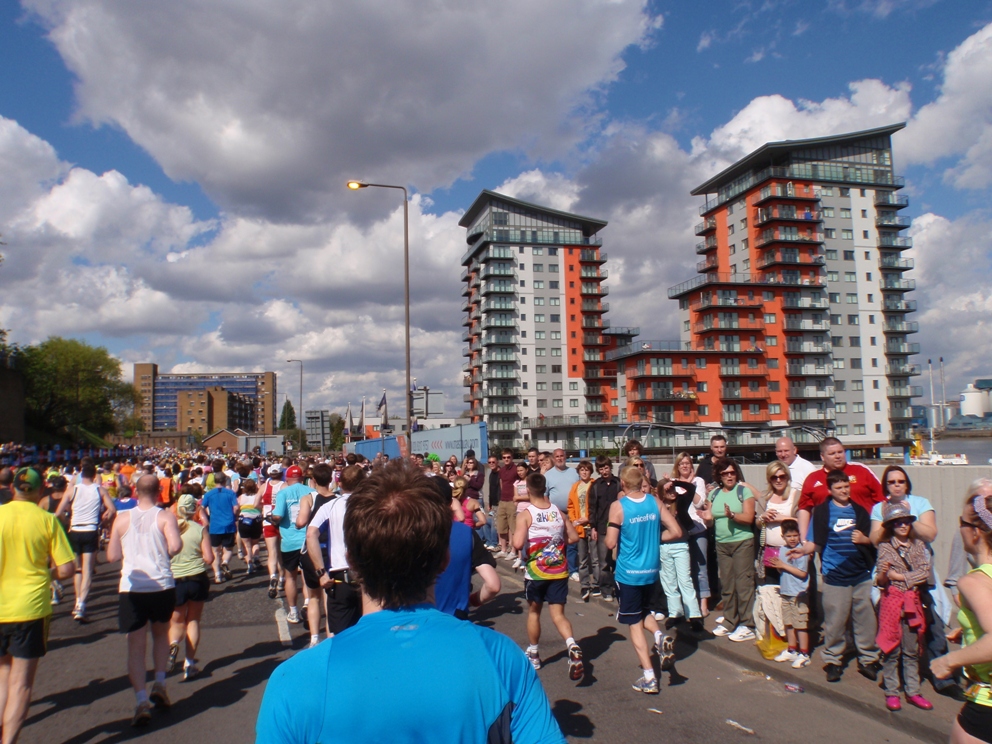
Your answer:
<point x="300" y="361"/>
<point x="354" y="186"/>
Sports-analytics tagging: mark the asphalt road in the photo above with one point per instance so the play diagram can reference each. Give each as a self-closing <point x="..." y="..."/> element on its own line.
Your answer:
<point x="82" y="693"/>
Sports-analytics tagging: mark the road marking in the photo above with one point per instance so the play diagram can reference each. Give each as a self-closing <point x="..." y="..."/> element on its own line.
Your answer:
<point x="282" y="624"/>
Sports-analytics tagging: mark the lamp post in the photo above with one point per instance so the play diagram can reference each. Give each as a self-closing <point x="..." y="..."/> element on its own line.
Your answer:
<point x="299" y="419"/>
<point x="354" y="186"/>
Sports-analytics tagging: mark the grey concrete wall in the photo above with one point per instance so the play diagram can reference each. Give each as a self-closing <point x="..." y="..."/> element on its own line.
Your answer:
<point x="943" y="485"/>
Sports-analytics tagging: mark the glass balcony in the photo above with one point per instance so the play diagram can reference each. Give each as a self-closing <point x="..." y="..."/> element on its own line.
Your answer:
<point x="893" y="221"/>
<point x="596" y="322"/>
<point x="809" y="370"/>
<point x="495" y="321"/>
<point x="592" y="306"/>
<point x="810" y="392"/>
<point x="503" y="409"/>
<point x="808" y="347"/>
<point x="759" y="371"/>
<point x="740" y="417"/>
<point x="788" y="214"/>
<point x="737" y="324"/>
<point x="812" y="303"/>
<point x="489" y="288"/>
<point x="498" y="303"/>
<point x="902" y="370"/>
<point x="899" y="306"/>
<point x="773" y="258"/>
<point x="498" y="270"/>
<point x="893" y="241"/>
<point x="594" y="339"/>
<point x="899" y="285"/>
<point x="590" y="273"/>
<point x="900" y="414"/>
<point x="710" y="263"/>
<point x="734" y="393"/>
<point x="500" y="374"/>
<point x="497" y="339"/>
<point x="708" y="301"/>
<point x="496" y="357"/>
<point x="589" y="256"/>
<point x="899" y="264"/>
<point x="782" y="236"/>
<point x="742" y="279"/>
<point x="623" y="331"/>
<point x="665" y="394"/>
<point x="706" y="226"/>
<point x="812" y="415"/>
<point x="890" y="199"/>
<point x="502" y="391"/>
<point x="706" y="246"/>
<point x="901" y="327"/>
<point x="893" y="348"/>
<point x="909" y="391"/>
<point x="806" y="324"/>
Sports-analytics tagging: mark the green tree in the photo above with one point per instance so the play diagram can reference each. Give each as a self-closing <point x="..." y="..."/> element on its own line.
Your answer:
<point x="337" y="432"/>
<point x="71" y="386"/>
<point x="288" y="418"/>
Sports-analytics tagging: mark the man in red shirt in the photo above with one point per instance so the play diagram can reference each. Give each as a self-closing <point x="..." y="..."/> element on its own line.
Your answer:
<point x="866" y="491"/>
<point x="506" y="512"/>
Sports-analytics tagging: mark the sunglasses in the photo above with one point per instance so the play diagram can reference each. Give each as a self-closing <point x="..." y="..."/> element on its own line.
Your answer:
<point x="962" y="522"/>
<point x="780" y="476"/>
<point x="729" y="472"/>
<point x="902" y="522"/>
<point x="895" y="483"/>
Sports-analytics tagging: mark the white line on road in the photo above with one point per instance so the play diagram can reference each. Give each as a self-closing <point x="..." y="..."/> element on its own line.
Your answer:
<point x="282" y="624"/>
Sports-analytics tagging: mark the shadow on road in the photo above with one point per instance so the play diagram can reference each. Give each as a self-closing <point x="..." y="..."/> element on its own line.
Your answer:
<point x="572" y="722"/>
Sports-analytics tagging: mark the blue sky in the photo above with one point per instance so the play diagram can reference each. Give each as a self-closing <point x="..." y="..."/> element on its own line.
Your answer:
<point x="188" y="160"/>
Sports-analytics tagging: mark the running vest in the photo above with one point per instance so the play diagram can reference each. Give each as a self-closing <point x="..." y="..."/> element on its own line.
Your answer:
<point x="146" y="566"/>
<point x="189" y="561"/>
<point x="546" y="544"/>
<point x="638" y="559"/>
<point x="978" y="676"/>
<point x="86" y="504"/>
<point x="318" y="501"/>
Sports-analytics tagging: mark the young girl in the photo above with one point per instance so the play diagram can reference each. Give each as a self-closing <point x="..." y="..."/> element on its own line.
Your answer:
<point x="522" y="499"/>
<point x="676" y="570"/>
<point x="902" y="568"/>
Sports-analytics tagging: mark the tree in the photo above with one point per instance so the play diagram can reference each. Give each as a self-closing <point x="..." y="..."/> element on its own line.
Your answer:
<point x="337" y="432"/>
<point x="71" y="386"/>
<point x="288" y="418"/>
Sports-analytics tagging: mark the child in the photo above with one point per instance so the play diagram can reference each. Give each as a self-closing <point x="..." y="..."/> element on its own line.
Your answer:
<point x="793" y="583"/>
<point x="578" y="513"/>
<point x="903" y="566"/>
<point x="676" y="566"/>
<point x="541" y="535"/>
<point x="840" y="535"/>
<point x="521" y="497"/>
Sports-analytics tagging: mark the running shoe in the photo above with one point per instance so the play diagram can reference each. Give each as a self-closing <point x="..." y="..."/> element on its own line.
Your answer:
<point x="58" y="591"/>
<point x="282" y="582"/>
<point x="142" y="714"/>
<point x="159" y="697"/>
<point x="273" y="588"/>
<point x="293" y="616"/>
<point x="574" y="576"/>
<point x="597" y="593"/>
<point x="517" y="564"/>
<point x="575" y="667"/>
<point x="173" y="655"/>
<point x="787" y="655"/>
<point x="743" y="633"/>
<point x="250" y="570"/>
<point x="190" y="671"/>
<point x="802" y="660"/>
<point x="499" y="554"/>
<point x="511" y="556"/>
<point x="218" y="579"/>
<point x="79" y="614"/>
<point x="892" y="702"/>
<point x="721" y="630"/>
<point x="608" y="598"/>
<point x="535" y="659"/>
<point x="586" y="594"/>
<point x="647" y="686"/>
<point x="314" y="642"/>
<point x="225" y="571"/>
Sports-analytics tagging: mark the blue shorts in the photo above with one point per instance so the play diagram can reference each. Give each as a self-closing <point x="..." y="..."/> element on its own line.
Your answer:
<point x="549" y="591"/>
<point x="637" y="601"/>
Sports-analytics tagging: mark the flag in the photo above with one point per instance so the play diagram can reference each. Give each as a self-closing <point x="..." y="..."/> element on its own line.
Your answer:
<point x="361" y="422"/>
<point x="382" y="403"/>
<point x="348" y="424"/>
<point x="385" y="413"/>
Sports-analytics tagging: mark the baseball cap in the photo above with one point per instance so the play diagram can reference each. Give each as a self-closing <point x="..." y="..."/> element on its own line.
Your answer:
<point x="275" y="469"/>
<point x="294" y="472"/>
<point x="27" y="480"/>
<point x="186" y="504"/>
<point x="896" y="510"/>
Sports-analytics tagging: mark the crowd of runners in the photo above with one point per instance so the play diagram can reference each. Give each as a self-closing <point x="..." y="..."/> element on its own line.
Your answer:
<point x="810" y="556"/>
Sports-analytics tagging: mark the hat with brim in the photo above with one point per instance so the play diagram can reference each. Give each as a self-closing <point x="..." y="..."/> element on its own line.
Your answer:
<point x="896" y="510"/>
<point x="27" y="480"/>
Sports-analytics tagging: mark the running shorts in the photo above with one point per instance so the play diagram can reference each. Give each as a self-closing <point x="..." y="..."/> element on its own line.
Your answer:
<point x="250" y="529"/>
<point x="84" y="541"/>
<point x="192" y="589"/>
<point x="549" y="591"/>
<point x="137" y="609"/>
<point x="290" y="560"/>
<point x="976" y="720"/>
<point x="310" y="576"/>
<point x="27" y="639"/>
<point x="637" y="601"/>
<point x="344" y="606"/>
<point x="222" y="540"/>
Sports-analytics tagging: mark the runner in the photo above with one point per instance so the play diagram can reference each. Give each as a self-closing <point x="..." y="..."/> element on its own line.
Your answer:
<point x="189" y="569"/>
<point x="637" y="525"/>
<point x="309" y="506"/>
<point x="249" y="522"/>
<point x="291" y="537"/>
<point x="221" y="506"/>
<point x="145" y="538"/>
<point x="87" y="501"/>
<point x="542" y="533"/>
<point x="31" y="541"/>
<point x="269" y="531"/>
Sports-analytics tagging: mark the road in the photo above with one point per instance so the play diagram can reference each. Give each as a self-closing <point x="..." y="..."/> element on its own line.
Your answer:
<point x="82" y="693"/>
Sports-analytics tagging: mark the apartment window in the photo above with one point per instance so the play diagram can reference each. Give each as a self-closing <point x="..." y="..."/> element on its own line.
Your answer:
<point x="828" y="211"/>
<point x="851" y="319"/>
<point x="556" y="335"/>
<point x="872" y="341"/>
<point x="767" y="296"/>
<point x="833" y="276"/>
<point x="848" y="255"/>
<point x="874" y="363"/>
<point x="700" y="363"/>
<point x="555" y="318"/>
<point x="840" y="385"/>
<point x="834" y="296"/>
<point x="573" y="403"/>
<point x="871" y="320"/>
<point x="683" y="304"/>
<point x="538" y="284"/>
<point x="839" y="364"/>
<point x="537" y="252"/>
<point x="772" y="363"/>
<point x="857" y="408"/>
<point x="746" y="264"/>
<point x="554" y="251"/>
<point x="685" y="326"/>
<point x="573" y="386"/>
<point x="552" y="285"/>
<point x="538" y="301"/>
<point x="844" y="191"/>
<point x="524" y="351"/>
<point x="773" y="386"/>
<point x="878" y="406"/>
<point x="831" y="252"/>
<point x="857" y="385"/>
<point x="836" y="341"/>
<point x="774" y="409"/>
<point x="852" y="298"/>
<point x="557" y="351"/>
<point x="840" y="407"/>
<point x="851" y="277"/>
<point x="878" y="428"/>
<point x="827" y="191"/>
<point x="868" y="275"/>
<point x="864" y="233"/>
<point x="847" y="235"/>
<point x="556" y="386"/>
<point x="859" y="429"/>
<point x="855" y="362"/>
<point x="542" y="402"/>
<point x="854" y="340"/>
<point x="556" y="369"/>
<point x="523" y="316"/>
<point x="539" y="335"/>
<point x="830" y="232"/>
<point x="523" y="334"/>
<point x="733" y="249"/>
<point x="538" y="317"/>
<point x="771" y="340"/>
<point x="701" y="387"/>
<point x="552" y="268"/>
<point x="744" y="224"/>
<point x="874" y="384"/>
<point x="871" y="298"/>
<point x="542" y="386"/>
<point x="744" y="244"/>
<point x="730" y="229"/>
<point x="540" y="352"/>
<point x="538" y="268"/>
<point x="704" y="410"/>
<point x="541" y="369"/>
<point x="845" y="213"/>
<point x="554" y="301"/>
<point x="558" y="403"/>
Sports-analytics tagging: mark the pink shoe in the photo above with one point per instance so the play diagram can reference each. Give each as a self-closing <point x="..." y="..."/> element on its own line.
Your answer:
<point x="892" y="702"/>
<point x="919" y="701"/>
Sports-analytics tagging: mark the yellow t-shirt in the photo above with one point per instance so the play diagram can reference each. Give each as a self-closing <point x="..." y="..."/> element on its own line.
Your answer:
<point x="29" y="538"/>
<point x="971" y="632"/>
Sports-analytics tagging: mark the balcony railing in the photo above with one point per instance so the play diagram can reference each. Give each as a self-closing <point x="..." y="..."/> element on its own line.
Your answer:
<point x="891" y="348"/>
<point x="661" y="394"/>
<point x="808" y="392"/>
<point x="597" y="322"/>
<point x="899" y="285"/>
<point x="899" y="306"/>
<point x="623" y="331"/>
<point x="706" y="246"/>
<point x="900" y="414"/>
<point x="728" y="325"/>
<point x="710" y="263"/>
<point x="741" y="279"/>
<point x="590" y="256"/>
<point x="812" y="303"/>
<point x="760" y="371"/>
<point x="810" y="347"/>
<point x="502" y="391"/>
<point x="499" y="339"/>
<point x="902" y="370"/>
<point x="893" y="221"/>
<point x="592" y="306"/>
<point x="710" y="301"/>
<point x="706" y="225"/>
<point x="806" y="324"/>
<point x="496" y="270"/>
<point x="893" y="241"/>
<point x="790" y="214"/>
<point x="494" y="321"/>
<point x="776" y="257"/>
<point x="811" y="414"/>
<point x="738" y="417"/>
<point x="498" y="303"/>
<point x="498" y="287"/>
<point x="511" y="410"/>
<point x="594" y="339"/>
<point x="897" y="327"/>
<point x="899" y="264"/>
<point x="500" y="374"/>
<point x="594" y="289"/>
<point x="909" y="391"/>
<point x="641" y="346"/>
<point x="742" y="394"/>
<point x="502" y="425"/>
<point x="496" y="357"/>
<point x="889" y="199"/>
<point x="809" y="370"/>
<point x="595" y="372"/>
<point x="781" y="236"/>
<point x="591" y="273"/>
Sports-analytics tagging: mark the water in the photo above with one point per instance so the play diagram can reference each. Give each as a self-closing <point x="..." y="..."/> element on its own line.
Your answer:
<point x="978" y="450"/>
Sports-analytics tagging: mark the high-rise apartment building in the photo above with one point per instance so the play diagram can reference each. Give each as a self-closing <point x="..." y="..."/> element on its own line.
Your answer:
<point x="798" y="316"/>
<point x="160" y="407"/>
<point x="210" y="409"/>
<point x="534" y="288"/>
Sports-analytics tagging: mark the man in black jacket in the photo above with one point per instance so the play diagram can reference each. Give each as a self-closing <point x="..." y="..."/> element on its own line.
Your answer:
<point x="602" y="493"/>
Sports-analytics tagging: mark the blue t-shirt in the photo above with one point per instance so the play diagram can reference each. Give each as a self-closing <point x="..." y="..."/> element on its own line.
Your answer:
<point x="638" y="557"/>
<point x="843" y="562"/>
<point x="449" y="682"/>
<point x="287" y="507"/>
<point x="789" y="585"/>
<point x="453" y="587"/>
<point x="558" y="484"/>
<point x="220" y="503"/>
<point x="918" y="506"/>
<point x="121" y="505"/>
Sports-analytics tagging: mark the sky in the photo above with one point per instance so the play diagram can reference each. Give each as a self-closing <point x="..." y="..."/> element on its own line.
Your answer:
<point x="172" y="175"/>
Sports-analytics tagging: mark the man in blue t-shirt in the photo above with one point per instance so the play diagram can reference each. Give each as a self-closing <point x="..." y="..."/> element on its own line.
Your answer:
<point x="840" y="534"/>
<point x="453" y="589"/>
<point x="449" y="681"/>
<point x="221" y="505"/>
<point x="291" y="537"/>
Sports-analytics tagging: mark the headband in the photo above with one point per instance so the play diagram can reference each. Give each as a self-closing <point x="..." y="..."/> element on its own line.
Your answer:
<point x="978" y="504"/>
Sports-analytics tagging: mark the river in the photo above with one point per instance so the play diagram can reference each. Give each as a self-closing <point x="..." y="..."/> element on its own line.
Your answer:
<point x="978" y="449"/>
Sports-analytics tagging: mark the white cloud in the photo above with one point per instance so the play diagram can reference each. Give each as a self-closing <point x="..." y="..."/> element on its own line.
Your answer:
<point x="880" y="8"/>
<point x="705" y="40"/>
<point x="271" y="107"/>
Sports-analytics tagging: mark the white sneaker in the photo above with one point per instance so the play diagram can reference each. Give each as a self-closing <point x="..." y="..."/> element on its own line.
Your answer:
<point x="517" y="564"/>
<point x="743" y="633"/>
<point x="511" y="556"/>
<point x="721" y="620"/>
<point x="721" y="630"/>
<point x="787" y="655"/>
<point x="293" y="616"/>
<point x="499" y="554"/>
<point x="574" y="576"/>
<point x="802" y="660"/>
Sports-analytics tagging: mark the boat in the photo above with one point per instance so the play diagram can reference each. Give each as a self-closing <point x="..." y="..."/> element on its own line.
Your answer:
<point x="935" y="458"/>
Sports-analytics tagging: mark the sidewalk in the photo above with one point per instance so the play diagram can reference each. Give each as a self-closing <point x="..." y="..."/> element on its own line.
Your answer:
<point x="854" y="692"/>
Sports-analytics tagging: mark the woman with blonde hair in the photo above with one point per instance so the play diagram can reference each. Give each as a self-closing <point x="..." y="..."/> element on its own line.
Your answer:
<point x="189" y="569"/>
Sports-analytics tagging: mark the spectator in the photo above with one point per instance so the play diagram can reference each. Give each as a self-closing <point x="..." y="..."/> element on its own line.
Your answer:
<point x="602" y="493"/>
<point x="698" y="540"/>
<point x="793" y="576"/>
<point x="732" y="507"/>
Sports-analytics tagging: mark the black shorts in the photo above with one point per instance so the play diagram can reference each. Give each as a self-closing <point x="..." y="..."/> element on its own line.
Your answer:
<point x="976" y="720"/>
<point x="344" y="606"/>
<point x="290" y="560"/>
<point x="310" y="576"/>
<point x="636" y="601"/>
<point x="84" y="541"/>
<point x="25" y="640"/>
<point x="250" y="529"/>
<point x="222" y="540"/>
<point x="546" y="591"/>
<point x="192" y="589"/>
<point x="137" y="609"/>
